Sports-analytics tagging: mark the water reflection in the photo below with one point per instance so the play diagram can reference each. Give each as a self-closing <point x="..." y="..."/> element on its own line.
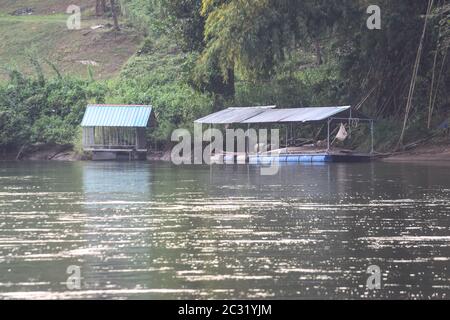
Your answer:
<point x="141" y="230"/>
<point x="115" y="195"/>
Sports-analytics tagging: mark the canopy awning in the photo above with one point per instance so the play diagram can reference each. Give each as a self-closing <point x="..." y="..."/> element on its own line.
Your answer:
<point x="117" y="116"/>
<point x="270" y="115"/>
<point x="233" y="115"/>
<point x="297" y="115"/>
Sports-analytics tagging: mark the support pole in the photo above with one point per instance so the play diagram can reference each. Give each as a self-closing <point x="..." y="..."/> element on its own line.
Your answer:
<point x="328" y="135"/>
<point x="210" y="150"/>
<point x="247" y="145"/>
<point x="371" y="136"/>
<point x="210" y="142"/>
<point x="292" y="134"/>
<point x="287" y="127"/>
<point x="350" y="124"/>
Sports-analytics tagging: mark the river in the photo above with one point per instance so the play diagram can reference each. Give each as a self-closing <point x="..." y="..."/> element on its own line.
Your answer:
<point x="156" y="231"/>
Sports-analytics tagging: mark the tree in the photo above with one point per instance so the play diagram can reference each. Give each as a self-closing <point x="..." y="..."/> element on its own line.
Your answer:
<point x="186" y="24"/>
<point x="382" y="61"/>
<point x="257" y="35"/>
<point x="100" y="7"/>
<point x="114" y="15"/>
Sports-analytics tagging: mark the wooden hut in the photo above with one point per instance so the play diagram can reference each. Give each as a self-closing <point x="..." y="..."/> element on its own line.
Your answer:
<point x="116" y="131"/>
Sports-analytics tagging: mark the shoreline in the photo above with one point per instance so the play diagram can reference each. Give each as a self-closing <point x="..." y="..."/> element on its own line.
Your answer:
<point x="55" y="152"/>
<point x="423" y="153"/>
<point x="431" y="153"/>
<point x="42" y="152"/>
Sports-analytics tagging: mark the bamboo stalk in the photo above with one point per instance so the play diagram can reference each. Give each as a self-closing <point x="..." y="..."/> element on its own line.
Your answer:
<point x="414" y="75"/>
<point x="437" y="85"/>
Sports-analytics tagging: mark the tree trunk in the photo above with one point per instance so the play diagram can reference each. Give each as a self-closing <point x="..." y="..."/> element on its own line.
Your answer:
<point x="100" y="7"/>
<point x="319" y="59"/>
<point x="114" y="15"/>
<point x="97" y="8"/>
<point x="229" y="85"/>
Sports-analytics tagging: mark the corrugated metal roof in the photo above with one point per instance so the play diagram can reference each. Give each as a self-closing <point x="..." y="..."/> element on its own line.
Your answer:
<point x="271" y="115"/>
<point x="233" y="115"/>
<point x="296" y="115"/>
<point x="116" y="116"/>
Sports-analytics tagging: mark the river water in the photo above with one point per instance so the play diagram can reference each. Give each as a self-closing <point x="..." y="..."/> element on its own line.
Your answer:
<point x="157" y="231"/>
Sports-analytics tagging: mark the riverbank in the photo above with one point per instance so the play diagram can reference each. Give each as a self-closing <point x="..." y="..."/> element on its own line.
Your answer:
<point x="55" y="152"/>
<point x="435" y="152"/>
<point x="42" y="152"/>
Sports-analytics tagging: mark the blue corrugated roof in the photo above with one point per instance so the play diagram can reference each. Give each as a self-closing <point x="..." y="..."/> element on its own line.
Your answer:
<point x="116" y="116"/>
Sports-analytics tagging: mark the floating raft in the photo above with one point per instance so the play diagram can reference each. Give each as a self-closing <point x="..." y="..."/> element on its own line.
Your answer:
<point x="308" y="158"/>
<point x="292" y="158"/>
<point x="258" y="159"/>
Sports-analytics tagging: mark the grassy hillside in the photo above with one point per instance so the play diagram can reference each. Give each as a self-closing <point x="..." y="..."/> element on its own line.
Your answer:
<point x="45" y="35"/>
<point x="47" y="108"/>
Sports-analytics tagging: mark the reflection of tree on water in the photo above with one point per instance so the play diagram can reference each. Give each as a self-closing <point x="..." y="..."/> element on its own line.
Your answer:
<point x="111" y="180"/>
<point x="117" y="198"/>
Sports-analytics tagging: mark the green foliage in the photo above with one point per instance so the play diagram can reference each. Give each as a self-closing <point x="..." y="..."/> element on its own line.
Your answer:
<point x="77" y="141"/>
<point x="46" y="111"/>
<point x="180" y="22"/>
<point x="52" y="129"/>
<point x="160" y="79"/>
<point x="311" y="87"/>
<point x="255" y="36"/>
<point x="146" y="15"/>
<point x="383" y="60"/>
<point x="14" y="127"/>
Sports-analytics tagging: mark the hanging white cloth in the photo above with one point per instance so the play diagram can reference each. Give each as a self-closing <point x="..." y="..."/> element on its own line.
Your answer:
<point x="342" y="134"/>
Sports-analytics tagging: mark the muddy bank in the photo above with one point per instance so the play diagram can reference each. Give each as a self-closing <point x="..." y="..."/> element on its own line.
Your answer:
<point x="41" y="152"/>
<point x="54" y="152"/>
<point x="436" y="152"/>
<point x="160" y="155"/>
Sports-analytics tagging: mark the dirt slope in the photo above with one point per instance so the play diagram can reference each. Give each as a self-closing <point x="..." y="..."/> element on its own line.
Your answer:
<point x="44" y="33"/>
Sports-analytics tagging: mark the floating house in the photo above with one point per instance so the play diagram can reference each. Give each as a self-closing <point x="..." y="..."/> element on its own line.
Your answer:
<point x="267" y="116"/>
<point x="113" y="132"/>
